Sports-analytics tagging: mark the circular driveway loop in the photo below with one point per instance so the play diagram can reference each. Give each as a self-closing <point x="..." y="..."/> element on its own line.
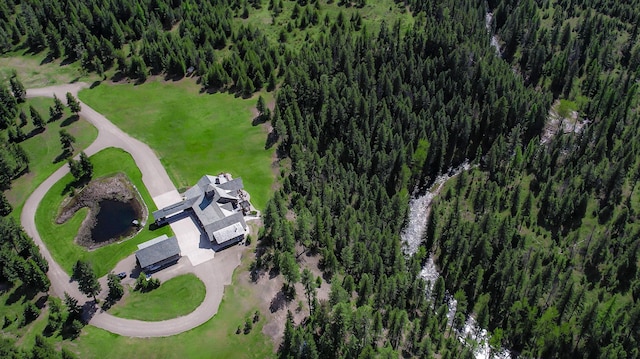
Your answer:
<point x="215" y="274"/>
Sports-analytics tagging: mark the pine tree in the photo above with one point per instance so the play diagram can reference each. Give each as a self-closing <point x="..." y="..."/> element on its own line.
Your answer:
<point x="87" y="166"/>
<point x="309" y="285"/>
<point x="5" y="206"/>
<point x="115" y="287"/>
<point x="87" y="280"/>
<point x="36" y="119"/>
<point x="58" y="107"/>
<point x="19" y="92"/>
<point x="23" y="118"/>
<point x="67" y="141"/>
<point x="73" y="104"/>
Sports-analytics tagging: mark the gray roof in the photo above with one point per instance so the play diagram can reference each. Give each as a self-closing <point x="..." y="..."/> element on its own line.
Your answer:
<point x="157" y="250"/>
<point x="237" y="217"/>
<point x="228" y="233"/>
<point x="174" y="208"/>
<point x="233" y="185"/>
<point x="207" y="199"/>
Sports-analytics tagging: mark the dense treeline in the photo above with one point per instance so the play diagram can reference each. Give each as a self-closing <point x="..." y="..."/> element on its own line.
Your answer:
<point x="135" y="37"/>
<point x="13" y="159"/>
<point x="20" y="258"/>
<point x="569" y="43"/>
<point x="15" y="116"/>
<point x="365" y="118"/>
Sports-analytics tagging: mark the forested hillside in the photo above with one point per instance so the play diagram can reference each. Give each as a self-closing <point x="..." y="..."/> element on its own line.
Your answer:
<point x="551" y="230"/>
<point x="539" y="244"/>
<point x="235" y="45"/>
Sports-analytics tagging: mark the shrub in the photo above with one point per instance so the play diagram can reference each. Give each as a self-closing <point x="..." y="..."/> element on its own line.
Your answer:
<point x="248" y="325"/>
<point x="145" y="285"/>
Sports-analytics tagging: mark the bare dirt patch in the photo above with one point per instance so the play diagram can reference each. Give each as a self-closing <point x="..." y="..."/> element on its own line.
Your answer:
<point x="556" y="123"/>
<point x="116" y="188"/>
<point x="276" y="304"/>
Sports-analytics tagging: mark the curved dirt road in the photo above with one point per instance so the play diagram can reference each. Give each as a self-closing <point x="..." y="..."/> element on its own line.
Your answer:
<point x="215" y="274"/>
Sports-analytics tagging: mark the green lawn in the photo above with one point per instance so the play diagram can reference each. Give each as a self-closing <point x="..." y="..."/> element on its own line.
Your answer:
<point x="373" y="13"/>
<point x="176" y="297"/>
<point x="216" y="338"/>
<point x="44" y="148"/>
<point x="34" y="72"/>
<point x="194" y="134"/>
<point x="59" y="238"/>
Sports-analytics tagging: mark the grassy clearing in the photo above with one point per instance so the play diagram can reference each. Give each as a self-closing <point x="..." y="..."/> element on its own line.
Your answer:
<point x="565" y="107"/>
<point x="44" y="148"/>
<point x="59" y="238"/>
<point x="34" y="72"/>
<point x="176" y="297"/>
<point x="216" y="338"/>
<point x="194" y="134"/>
<point x="372" y="16"/>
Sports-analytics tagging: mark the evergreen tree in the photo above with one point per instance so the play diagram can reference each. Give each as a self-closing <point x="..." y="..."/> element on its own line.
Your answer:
<point x="73" y="104"/>
<point x="116" y="291"/>
<point x="23" y="118"/>
<point x="74" y="309"/>
<point x="36" y="119"/>
<point x="87" y="280"/>
<point x="67" y="141"/>
<point x="5" y="206"/>
<point x="19" y="92"/>
<point x="58" y="108"/>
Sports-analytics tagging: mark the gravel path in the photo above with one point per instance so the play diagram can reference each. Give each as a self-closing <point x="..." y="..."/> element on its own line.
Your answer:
<point x="214" y="274"/>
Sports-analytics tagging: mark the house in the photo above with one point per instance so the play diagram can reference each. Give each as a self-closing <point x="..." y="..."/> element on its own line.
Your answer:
<point x="157" y="253"/>
<point x="217" y="203"/>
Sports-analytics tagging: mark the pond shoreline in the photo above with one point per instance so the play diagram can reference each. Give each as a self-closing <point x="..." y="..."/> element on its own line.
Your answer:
<point x="116" y="188"/>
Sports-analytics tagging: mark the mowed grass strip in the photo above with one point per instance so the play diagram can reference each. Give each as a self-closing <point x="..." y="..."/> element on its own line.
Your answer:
<point x="60" y="238"/>
<point x="44" y="148"/>
<point x="216" y="338"/>
<point x="194" y="134"/>
<point x="176" y="297"/>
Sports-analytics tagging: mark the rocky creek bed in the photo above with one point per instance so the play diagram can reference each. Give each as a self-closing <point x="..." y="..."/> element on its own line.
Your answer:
<point x="113" y="188"/>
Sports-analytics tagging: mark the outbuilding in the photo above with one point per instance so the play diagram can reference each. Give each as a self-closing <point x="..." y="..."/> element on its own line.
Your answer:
<point x="157" y="253"/>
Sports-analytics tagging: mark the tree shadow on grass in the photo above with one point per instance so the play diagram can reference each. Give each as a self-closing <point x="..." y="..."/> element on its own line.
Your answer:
<point x="118" y="76"/>
<point x="259" y="120"/>
<point x="47" y="60"/>
<point x="21" y="293"/>
<point x="272" y="139"/>
<point x="173" y="78"/>
<point x="69" y="120"/>
<point x="34" y="132"/>
<point x="62" y="157"/>
<point x="74" y="184"/>
<point x="67" y="61"/>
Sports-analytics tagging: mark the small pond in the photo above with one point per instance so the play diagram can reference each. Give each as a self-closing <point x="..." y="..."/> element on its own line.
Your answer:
<point x="113" y="220"/>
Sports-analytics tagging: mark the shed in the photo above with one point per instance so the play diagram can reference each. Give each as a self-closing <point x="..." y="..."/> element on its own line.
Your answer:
<point x="158" y="252"/>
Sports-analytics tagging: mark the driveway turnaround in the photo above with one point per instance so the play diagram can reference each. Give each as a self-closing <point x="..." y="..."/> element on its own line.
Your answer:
<point x="215" y="274"/>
